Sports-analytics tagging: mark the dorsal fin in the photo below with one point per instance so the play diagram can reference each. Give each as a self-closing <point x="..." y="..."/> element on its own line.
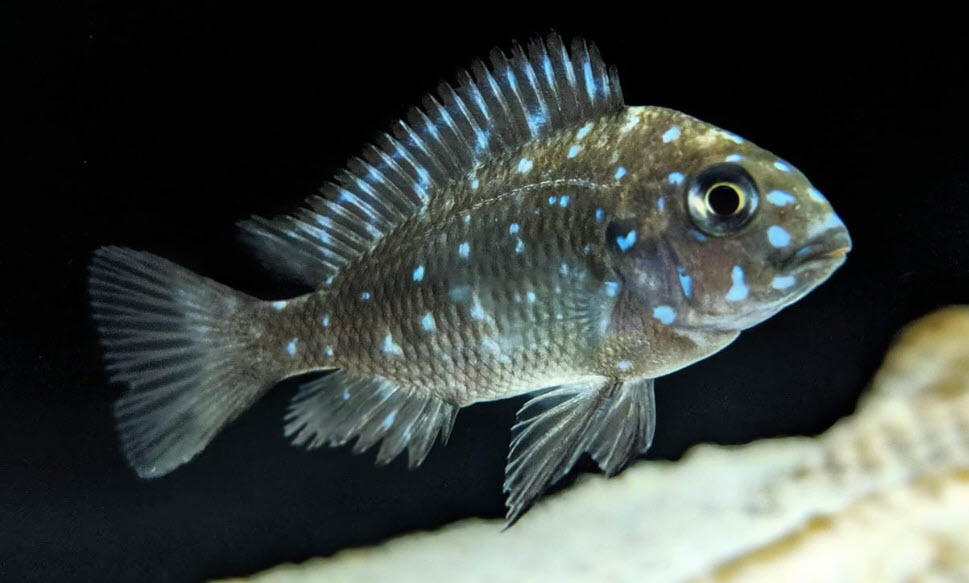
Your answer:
<point x="488" y="112"/>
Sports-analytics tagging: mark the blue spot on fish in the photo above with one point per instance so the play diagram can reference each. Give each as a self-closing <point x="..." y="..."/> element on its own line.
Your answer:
<point x="733" y="158"/>
<point x="626" y="241"/>
<point x="328" y="350"/>
<point x="326" y="320"/>
<point x="279" y="305"/>
<point x="612" y="288"/>
<point x="524" y="165"/>
<point x="519" y="246"/>
<point x="671" y="134"/>
<point x="675" y="178"/>
<point x="365" y="296"/>
<point x="686" y="282"/>
<point x="780" y="198"/>
<point x="782" y="166"/>
<point x="620" y="172"/>
<point x="816" y="195"/>
<point x="391" y="347"/>
<point x="624" y="365"/>
<point x="530" y="296"/>
<point x="464" y="249"/>
<point x="583" y="131"/>
<point x="665" y="314"/>
<point x="738" y="290"/>
<point x="477" y="311"/>
<point x="291" y="346"/>
<point x="783" y="281"/>
<point x="599" y="214"/>
<point x="513" y="229"/>
<point x="698" y="235"/>
<point x="564" y="200"/>
<point x="574" y="150"/>
<point x="474" y="184"/>
<point x="777" y="236"/>
<point x="427" y="322"/>
<point x="389" y="419"/>
<point x="661" y="204"/>
<point x="418" y="274"/>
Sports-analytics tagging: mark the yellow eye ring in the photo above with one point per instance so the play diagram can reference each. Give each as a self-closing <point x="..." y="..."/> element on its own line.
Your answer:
<point x="724" y="199"/>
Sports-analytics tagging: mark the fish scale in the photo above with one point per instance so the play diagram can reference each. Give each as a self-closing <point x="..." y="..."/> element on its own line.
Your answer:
<point x="522" y="232"/>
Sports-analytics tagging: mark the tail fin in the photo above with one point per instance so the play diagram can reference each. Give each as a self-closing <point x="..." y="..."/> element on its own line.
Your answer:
<point x="173" y="337"/>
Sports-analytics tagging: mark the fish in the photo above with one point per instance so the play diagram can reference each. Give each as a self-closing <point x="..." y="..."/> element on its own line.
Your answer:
<point x="523" y="232"/>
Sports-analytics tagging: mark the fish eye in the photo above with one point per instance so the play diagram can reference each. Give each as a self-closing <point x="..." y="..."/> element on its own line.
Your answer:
<point x="722" y="199"/>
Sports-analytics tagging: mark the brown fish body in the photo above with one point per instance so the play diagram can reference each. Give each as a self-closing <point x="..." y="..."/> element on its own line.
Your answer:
<point x="523" y="233"/>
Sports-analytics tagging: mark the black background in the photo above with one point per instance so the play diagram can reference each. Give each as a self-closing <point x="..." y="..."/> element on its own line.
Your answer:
<point x="159" y="128"/>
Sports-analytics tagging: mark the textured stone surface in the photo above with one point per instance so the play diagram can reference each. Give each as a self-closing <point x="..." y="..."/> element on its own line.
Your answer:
<point x="881" y="496"/>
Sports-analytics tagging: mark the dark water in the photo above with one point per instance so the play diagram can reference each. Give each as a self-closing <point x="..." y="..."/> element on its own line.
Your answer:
<point x="158" y="129"/>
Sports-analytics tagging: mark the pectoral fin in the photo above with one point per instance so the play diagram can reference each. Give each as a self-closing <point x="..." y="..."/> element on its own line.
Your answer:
<point x="611" y="420"/>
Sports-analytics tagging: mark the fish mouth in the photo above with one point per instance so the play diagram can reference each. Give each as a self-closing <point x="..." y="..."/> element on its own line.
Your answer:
<point x="827" y="251"/>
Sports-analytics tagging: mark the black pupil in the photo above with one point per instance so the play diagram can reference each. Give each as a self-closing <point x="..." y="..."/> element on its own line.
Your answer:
<point x="724" y="200"/>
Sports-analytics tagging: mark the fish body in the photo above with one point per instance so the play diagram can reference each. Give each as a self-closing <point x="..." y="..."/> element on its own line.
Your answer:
<point x="525" y="233"/>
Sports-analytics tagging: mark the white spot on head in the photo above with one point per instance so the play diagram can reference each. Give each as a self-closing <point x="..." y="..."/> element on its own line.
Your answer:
<point x="671" y="134"/>
<point x="620" y="172"/>
<point x="418" y="274"/>
<point x="665" y="314"/>
<point x="464" y="249"/>
<point x="782" y="166"/>
<point x="780" y="198"/>
<point x="391" y="347"/>
<point x="783" y="281"/>
<point x="513" y="229"/>
<point x="279" y="305"/>
<point x="624" y="365"/>
<point x="675" y="178"/>
<point x="524" y="165"/>
<point x="739" y="289"/>
<point x="427" y="322"/>
<point x="733" y="158"/>
<point x="583" y="131"/>
<point x="574" y="150"/>
<point x="291" y="346"/>
<point x="778" y="236"/>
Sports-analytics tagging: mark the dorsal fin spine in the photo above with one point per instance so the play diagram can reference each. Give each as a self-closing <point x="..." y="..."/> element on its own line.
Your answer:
<point x="490" y="110"/>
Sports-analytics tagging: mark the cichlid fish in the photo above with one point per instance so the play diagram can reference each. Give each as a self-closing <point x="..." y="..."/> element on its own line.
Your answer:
<point x="524" y="232"/>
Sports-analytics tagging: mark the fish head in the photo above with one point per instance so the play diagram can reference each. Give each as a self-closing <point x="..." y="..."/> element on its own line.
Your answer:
<point x="731" y="234"/>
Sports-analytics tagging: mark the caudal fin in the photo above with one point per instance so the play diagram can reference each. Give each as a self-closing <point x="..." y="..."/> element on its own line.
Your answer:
<point x="182" y="345"/>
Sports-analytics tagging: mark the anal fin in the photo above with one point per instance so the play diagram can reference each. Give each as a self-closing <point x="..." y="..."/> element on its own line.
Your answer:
<point x="613" y="421"/>
<point x="335" y="408"/>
